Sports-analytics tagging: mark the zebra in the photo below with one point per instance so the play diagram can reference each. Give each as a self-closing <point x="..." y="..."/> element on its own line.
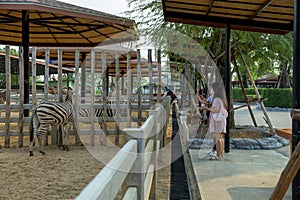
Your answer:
<point x="97" y="112"/>
<point x="49" y="113"/>
<point x="2" y="98"/>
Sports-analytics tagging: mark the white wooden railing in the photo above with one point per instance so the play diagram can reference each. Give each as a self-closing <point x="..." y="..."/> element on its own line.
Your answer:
<point x="132" y="171"/>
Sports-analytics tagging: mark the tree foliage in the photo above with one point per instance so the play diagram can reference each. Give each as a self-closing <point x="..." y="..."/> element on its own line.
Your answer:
<point x="263" y="53"/>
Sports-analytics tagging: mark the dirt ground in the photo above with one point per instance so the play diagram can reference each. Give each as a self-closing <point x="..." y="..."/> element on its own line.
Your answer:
<point x="58" y="175"/>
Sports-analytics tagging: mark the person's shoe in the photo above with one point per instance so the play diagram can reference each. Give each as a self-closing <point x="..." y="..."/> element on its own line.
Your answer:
<point x="219" y="158"/>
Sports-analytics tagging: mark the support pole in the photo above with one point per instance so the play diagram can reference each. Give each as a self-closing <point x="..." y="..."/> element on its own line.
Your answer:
<point x="76" y="99"/>
<point x="243" y="90"/>
<point x="60" y="95"/>
<point x="104" y="98"/>
<point x="25" y="44"/>
<point x="159" y="85"/>
<point x="8" y="100"/>
<point x="92" y="77"/>
<point x="272" y="130"/>
<point x="21" y="89"/>
<point x="46" y="75"/>
<point x="117" y="92"/>
<point x="139" y="73"/>
<point x="129" y="89"/>
<point x="150" y="73"/>
<point x="227" y="87"/>
<point x="83" y="77"/>
<point x="296" y="94"/>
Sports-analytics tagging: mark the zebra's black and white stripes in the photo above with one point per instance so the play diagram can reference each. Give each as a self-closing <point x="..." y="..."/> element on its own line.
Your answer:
<point x="97" y="112"/>
<point x="48" y="113"/>
<point x="2" y="96"/>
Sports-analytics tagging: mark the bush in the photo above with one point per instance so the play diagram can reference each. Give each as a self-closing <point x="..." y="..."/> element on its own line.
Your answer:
<point x="281" y="97"/>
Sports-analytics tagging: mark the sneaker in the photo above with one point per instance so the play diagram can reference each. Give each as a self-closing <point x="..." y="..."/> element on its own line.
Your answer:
<point x="219" y="158"/>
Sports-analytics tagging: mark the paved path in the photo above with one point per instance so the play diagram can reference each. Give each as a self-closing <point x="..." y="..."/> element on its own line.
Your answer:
<point x="243" y="175"/>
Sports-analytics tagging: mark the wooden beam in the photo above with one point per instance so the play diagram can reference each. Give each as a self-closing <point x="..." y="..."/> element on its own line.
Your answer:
<point x="117" y="91"/>
<point x="21" y="91"/>
<point x="259" y="99"/>
<point x="263" y="7"/>
<point x="8" y="93"/>
<point x="25" y="44"/>
<point x="287" y="176"/>
<point x="139" y="87"/>
<point x="92" y="105"/>
<point x="46" y="75"/>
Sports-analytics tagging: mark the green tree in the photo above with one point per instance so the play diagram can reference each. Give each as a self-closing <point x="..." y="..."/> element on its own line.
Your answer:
<point x="263" y="53"/>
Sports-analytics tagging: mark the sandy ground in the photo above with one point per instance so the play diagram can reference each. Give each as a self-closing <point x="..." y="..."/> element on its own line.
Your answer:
<point x="58" y="175"/>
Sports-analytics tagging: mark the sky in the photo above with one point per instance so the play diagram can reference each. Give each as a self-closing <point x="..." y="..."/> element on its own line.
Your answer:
<point x="115" y="7"/>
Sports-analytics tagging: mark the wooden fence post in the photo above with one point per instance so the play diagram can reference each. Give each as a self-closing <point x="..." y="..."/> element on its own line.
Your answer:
<point x="117" y="90"/>
<point x="139" y="73"/>
<point x="60" y="96"/>
<point x="129" y="89"/>
<point x="104" y="98"/>
<point x="76" y="100"/>
<point x="155" y="113"/>
<point x="46" y="75"/>
<point x="92" y="106"/>
<point x="150" y="74"/>
<point x="159" y="85"/>
<point x="8" y="93"/>
<point x="21" y="101"/>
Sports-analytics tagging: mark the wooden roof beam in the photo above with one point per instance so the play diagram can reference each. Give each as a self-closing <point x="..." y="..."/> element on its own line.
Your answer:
<point x="220" y="22"/>
<point x="211" y="3"/>
<point x="264" y="6"/>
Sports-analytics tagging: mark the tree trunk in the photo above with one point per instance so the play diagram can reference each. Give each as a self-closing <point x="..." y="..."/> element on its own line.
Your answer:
<point x="284" y="80"/>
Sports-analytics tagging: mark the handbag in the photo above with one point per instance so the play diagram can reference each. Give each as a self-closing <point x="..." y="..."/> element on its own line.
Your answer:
<point x="221" y="115"/>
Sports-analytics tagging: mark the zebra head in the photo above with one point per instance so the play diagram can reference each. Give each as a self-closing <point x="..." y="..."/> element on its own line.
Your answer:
<point x="69" y="93"/>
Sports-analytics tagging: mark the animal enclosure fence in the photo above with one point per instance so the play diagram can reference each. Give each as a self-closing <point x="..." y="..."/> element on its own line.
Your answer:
<point x="88" y="67"/>
<point x="132" y="171"/>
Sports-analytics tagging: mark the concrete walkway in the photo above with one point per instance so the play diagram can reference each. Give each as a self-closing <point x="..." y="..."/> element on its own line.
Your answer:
<point x="243" y="175"/>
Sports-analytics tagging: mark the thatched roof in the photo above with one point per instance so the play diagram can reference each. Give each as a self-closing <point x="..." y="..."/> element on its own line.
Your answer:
<point x="55" y="23"/>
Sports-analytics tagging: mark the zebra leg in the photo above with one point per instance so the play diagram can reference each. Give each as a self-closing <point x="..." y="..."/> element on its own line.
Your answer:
<point x="66" y="137"/>
<point x="33" y="127"/>
<point x="39" y="135"/>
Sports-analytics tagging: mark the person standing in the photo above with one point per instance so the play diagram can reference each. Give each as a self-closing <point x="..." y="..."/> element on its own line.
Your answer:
<point x="217" y="128"/>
